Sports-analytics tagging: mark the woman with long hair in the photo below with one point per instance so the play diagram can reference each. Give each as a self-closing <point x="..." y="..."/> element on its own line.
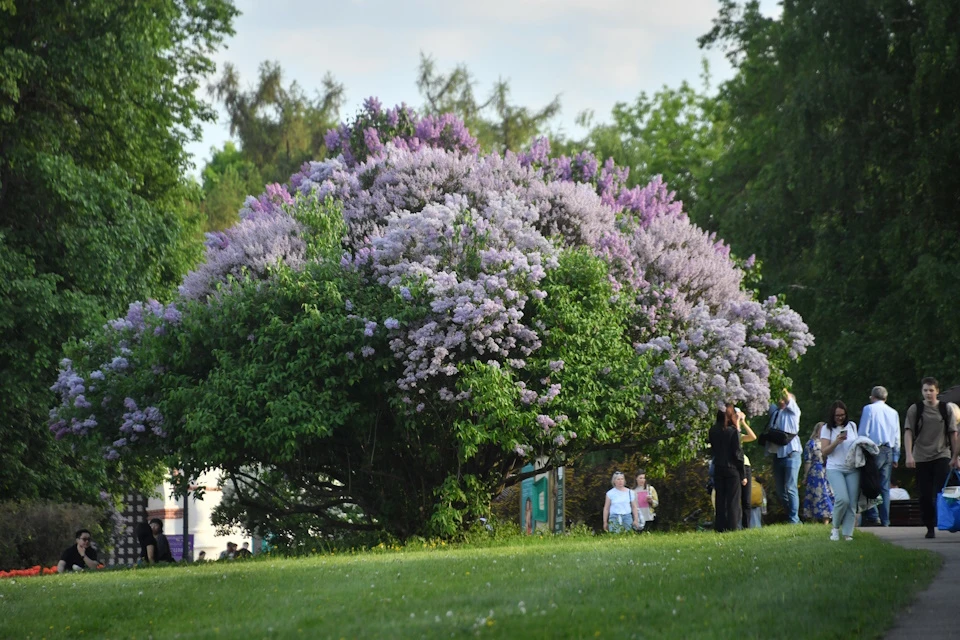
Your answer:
<point x="836" y="438"/>
<point x="817" y="497"/>
<point x="746" y="435"/>
<point x="728" y="473"/>
<point x="647" y="500"/>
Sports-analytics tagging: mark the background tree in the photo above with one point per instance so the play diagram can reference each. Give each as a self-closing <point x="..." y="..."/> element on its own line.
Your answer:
<point x="507" y="127"/>
<point x="278" y="128"/>
<point x="228" y="178"/>
<point x="676" y="133"/>
<point x="840" y="174"/>
<point x="96" y="101"/>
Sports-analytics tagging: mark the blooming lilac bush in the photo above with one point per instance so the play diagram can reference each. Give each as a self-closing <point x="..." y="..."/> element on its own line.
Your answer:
<point x="414" y="321"/>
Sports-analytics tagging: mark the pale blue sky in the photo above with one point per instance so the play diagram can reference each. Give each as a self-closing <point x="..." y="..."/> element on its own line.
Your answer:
<point x="593" y="53"/>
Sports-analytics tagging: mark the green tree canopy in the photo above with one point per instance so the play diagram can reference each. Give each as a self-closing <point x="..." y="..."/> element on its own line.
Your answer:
<point x="841" y="174"/>
<point x="96" y="101"/>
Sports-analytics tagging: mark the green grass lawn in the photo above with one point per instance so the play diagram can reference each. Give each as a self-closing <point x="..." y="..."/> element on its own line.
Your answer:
<point x="774" y="582"/>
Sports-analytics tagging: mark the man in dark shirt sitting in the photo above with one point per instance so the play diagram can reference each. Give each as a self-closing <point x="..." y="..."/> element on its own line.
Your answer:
<point x="78" y="556"/>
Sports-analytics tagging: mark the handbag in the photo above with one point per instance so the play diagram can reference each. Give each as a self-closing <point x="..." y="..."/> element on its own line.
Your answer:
<point x="775" y="436"/>
<point x="948" y="505"/>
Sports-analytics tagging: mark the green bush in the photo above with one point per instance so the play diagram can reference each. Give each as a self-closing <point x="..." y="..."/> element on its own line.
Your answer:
<point x="33" y="533"/>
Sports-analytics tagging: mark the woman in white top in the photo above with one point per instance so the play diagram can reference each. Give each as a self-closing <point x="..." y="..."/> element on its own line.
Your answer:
<point x="620" y="507"/>
<point x="836" y="439"/>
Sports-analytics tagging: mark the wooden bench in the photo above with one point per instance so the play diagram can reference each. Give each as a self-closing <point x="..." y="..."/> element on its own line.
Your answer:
<point x="905" y="513"/>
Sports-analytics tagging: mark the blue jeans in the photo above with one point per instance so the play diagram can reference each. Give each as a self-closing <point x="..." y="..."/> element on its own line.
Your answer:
<point x="785" y="472"/>
<point x="846" y="492"/>
<point x="618" y="523"/>
<point x="885" y="466"/>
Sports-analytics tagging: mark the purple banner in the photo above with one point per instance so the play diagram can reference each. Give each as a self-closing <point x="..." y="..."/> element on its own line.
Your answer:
<point x="176" y="546"/>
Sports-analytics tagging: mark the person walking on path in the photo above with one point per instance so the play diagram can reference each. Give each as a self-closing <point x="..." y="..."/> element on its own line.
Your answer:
<point x="746" y="435"/>
<point x="835" y="442"/>
<point x="647" y="499"/>
<point x="881" y="423"/>
<point x="817" y="497"/>
<point x="931" y="445"/>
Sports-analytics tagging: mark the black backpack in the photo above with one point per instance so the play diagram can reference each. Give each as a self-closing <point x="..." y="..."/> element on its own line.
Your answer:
<point x="918" y="420"/>
<point x="869" y="477"/>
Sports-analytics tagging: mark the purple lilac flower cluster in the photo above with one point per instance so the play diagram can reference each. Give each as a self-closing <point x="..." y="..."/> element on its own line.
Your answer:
<point x="409" y="213"/>
<point x="266" y="235"/>
<point x="76" y="414"/>
<point x="406" y="231"/>
<point x="643" y="204"/>
<point x="374" y="127"/>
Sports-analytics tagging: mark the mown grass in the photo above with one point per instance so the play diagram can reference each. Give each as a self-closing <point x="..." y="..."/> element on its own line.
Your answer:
<point x="755" y="584"/>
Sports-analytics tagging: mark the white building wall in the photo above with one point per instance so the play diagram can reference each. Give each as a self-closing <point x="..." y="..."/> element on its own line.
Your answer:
<point x="205" y="537"/>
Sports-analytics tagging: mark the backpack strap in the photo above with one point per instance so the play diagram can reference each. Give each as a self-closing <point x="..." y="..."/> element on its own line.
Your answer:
<point x="946" y="422"/>
<point x="918" y="419"/>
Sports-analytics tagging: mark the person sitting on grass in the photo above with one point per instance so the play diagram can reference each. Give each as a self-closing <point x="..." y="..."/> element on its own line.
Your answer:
<point x="230" y="553"/>
<point x="80" y="555"/>
<point x="148" y="544"/>
<point x="163" y="553"/>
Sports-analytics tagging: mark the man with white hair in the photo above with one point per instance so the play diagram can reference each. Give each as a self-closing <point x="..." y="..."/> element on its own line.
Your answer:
<point x="881" y="423"/>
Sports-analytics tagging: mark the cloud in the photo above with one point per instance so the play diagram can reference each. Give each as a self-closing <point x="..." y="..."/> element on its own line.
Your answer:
<point x="650" y="14"/>
<point x="592" y="52"/>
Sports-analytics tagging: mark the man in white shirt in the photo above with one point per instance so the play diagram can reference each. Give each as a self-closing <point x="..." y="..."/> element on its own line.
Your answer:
<point x="881" y="423"/>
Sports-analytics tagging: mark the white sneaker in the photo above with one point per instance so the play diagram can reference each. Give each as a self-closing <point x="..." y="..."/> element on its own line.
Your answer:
<point x="848" y="538"/>
<point x="835" y="534"/>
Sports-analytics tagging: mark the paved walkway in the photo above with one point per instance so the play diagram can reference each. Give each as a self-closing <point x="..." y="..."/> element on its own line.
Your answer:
<point x="935" y="613"/>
